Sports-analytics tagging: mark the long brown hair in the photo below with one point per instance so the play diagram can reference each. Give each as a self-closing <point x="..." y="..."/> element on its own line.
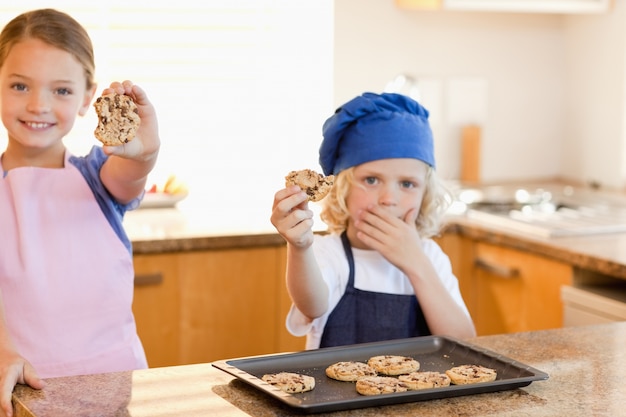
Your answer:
<point x="54" y="28"/>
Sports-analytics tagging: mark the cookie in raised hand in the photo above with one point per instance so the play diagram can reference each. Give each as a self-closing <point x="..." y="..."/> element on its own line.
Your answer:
<point x="118" y="119"/>
<point x="315" y="185"/>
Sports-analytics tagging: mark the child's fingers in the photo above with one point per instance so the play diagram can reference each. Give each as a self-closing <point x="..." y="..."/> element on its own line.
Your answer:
<point x="411" y="216"/>
<point x="289" y="198"/>
<point x="32" y="378"/>
<point x="126" y="87"/>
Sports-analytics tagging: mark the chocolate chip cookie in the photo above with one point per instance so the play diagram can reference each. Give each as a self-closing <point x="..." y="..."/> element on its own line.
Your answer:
<point x="290" y="382"/>
<point x="349" y="371"/>
<point x="316" y="186"/>
<point x="393" y="364"/>
<point x="118" y="119"/>
<point x="471" y="374"/>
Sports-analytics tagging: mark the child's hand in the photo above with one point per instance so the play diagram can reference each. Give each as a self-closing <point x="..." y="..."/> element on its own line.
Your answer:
<point x="396" y="239"/>
<point x="146" y="143"/>
<point x="15" y="370"/>
<point x="124" y="174"/>
<point x="292" y="218"/>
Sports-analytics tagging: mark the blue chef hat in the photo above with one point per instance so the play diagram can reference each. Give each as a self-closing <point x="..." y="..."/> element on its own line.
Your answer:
<point x="376" y="126"/>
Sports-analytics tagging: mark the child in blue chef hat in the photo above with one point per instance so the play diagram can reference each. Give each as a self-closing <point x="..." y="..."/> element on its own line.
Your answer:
<point x="377" y="275"/>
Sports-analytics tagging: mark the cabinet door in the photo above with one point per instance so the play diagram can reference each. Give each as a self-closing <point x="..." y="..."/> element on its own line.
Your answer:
<point x="229" y="303"/>
<point x="460" y="250"/>
<point x="156" y="307"/>
<point x="516" y="291"/>
<point x="286" y="341"/>
<point x="193" y="307"/>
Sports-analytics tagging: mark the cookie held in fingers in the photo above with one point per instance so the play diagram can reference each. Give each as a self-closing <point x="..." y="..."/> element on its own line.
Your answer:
<point x="118" y="119"/>
<point x="471" y="374"/>
<point x="290" y="382"/>
<point x="349" y="371"/>
<point x="315" y="185"/>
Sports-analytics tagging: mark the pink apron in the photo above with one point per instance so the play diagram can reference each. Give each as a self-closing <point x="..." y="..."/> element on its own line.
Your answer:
<point x="66" y="279"/>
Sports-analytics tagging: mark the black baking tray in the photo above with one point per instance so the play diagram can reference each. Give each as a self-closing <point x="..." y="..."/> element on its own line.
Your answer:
<point x="435" y="353"/>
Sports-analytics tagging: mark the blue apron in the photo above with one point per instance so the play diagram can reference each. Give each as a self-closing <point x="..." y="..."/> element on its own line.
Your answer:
<point x="365" y="316"/>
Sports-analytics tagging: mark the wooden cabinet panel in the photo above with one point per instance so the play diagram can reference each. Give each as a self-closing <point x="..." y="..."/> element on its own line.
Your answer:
<point x="507" y="290"/>
<point x="196" y="307"/>
<point x="156" y="307"/>
<point x="286" y="341"/>
<point x="498" y="291"/>
<point x="460" y="250"/>
<point x="229" y="304"/>
<point x="517" y="291"/>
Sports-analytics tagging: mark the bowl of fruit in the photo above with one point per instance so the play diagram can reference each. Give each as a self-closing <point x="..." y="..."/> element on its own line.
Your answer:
<point x="165" y="196"/>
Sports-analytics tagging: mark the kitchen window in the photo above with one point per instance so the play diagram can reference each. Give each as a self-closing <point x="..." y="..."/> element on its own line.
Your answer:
<point x="241" y="88"/>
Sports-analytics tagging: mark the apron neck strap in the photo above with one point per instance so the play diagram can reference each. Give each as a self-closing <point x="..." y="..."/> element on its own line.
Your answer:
<point x="347" y="248"/>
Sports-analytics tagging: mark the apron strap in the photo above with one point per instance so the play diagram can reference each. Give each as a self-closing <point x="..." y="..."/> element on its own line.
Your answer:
<point x="348" y="250"/>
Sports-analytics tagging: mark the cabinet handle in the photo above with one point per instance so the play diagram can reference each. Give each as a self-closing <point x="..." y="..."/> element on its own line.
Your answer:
<point x="148" y="279"/>
<point x="499" y="270"/>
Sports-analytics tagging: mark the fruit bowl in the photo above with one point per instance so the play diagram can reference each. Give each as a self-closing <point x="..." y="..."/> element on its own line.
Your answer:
<point x="161" y="200"/>
<point x="166" y="196"/>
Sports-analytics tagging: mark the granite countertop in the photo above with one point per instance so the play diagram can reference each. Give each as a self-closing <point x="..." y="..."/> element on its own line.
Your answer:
<point x="161" y="230"/>
<point x="597" y="252"/>
<point x="584" y="366"/>
<point x="600" y="253"/>
<point x="154" y="231"/>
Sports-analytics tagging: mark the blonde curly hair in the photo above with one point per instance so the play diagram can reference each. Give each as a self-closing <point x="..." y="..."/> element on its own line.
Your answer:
<point x="437" y="199"/>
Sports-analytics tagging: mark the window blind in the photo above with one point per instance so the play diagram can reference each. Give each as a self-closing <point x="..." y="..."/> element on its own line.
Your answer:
<point x="241" y="88"/>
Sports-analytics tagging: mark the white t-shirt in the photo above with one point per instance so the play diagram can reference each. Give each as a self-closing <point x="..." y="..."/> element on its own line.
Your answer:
<point x="370" y="266"/>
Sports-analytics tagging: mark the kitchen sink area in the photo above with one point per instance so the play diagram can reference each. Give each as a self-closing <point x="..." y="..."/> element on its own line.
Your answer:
<point x="545" y="211"/>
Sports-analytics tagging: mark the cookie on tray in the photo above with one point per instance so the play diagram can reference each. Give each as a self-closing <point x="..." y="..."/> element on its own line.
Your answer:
<point x="377" y="385"/>
<point x="425" y="380"/>
<point x="393" y="365"/>
<point x="315" y="185"/>
<point x="471" y="374"/>
<point x="349" y="371"/>
<point x="290" y="382"/>
<point x="118" y="119"/>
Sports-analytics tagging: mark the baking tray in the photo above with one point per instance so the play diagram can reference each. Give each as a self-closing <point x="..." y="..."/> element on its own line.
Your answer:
<point x="435" y="353"/>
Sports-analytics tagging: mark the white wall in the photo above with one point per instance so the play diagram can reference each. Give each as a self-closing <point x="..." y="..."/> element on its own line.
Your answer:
<point x="523" y="77"/>
<point x="241" y="89"/>
<point x="595" y="144"/>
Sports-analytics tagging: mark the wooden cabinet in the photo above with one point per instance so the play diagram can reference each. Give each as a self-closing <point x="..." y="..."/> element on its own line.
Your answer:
<point x="213" y="304"/>
<point x="201" y="306"/>
<point x="507" y="290"/>
<point x="516" y="291"/>
<point x="156" y="306"/>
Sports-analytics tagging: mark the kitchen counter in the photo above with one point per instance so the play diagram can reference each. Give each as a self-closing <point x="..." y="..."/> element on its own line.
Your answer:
<point x="154" y="231"/>
<point x="586" y="209"/>
<point x="584" y="365"/>
<point x="162" y="230"/>
<point x="601" y="253"/>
